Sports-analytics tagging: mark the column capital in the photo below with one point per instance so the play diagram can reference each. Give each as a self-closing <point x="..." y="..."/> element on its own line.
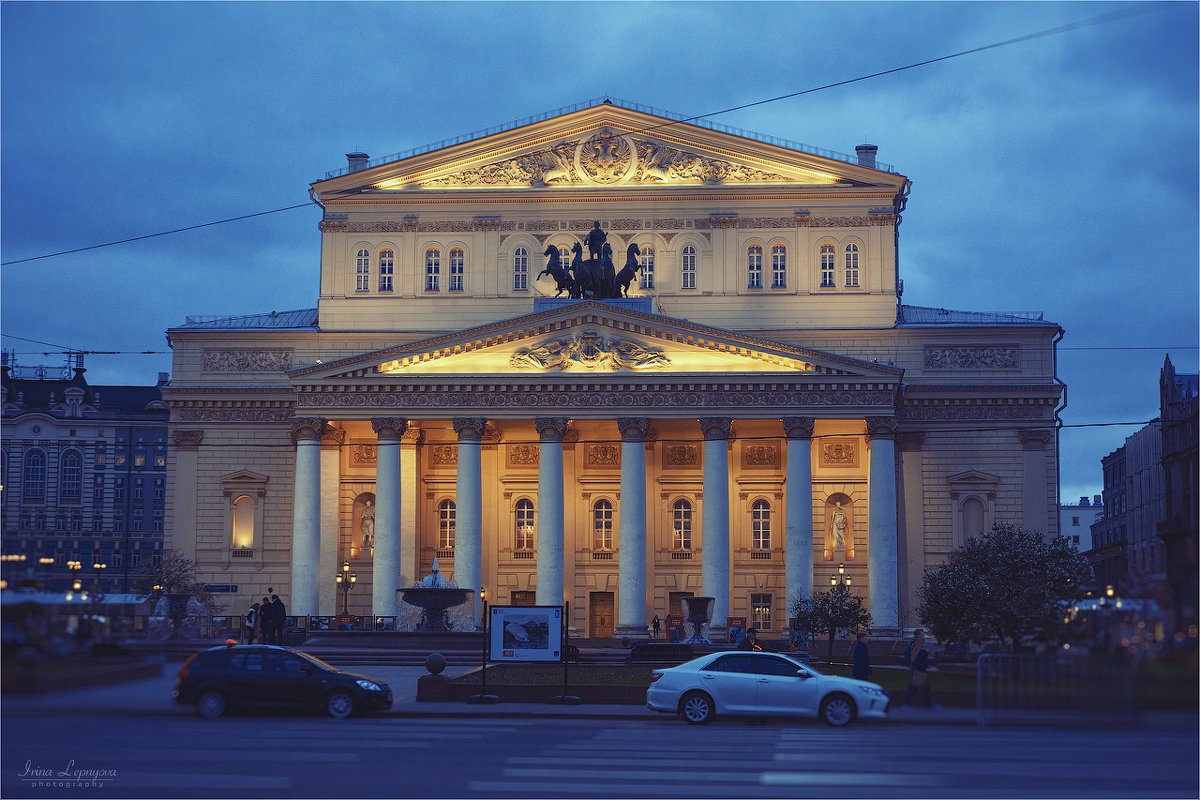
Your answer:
<point x="633" y="429"/>
<point x="716" y="428"/>
<point x="470" y="429"/>
<point x="186" y="440"/>
<point x="882" y="427"/>
<point x="798" y="427"/>
<point x="309" y="428"/>
<point x="389" y="427"/>
<point x="1035" y="438"/>
<point x="551" y="429"/>
<point x="910" y="441"/>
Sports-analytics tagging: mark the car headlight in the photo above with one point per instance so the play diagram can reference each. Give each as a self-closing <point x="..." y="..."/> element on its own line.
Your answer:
<point x="875" y="690"/>
<point x="370" y="686"/>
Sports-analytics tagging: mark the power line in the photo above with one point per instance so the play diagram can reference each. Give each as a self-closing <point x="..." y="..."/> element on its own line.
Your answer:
<point x="1098" y="20"/>
<point x="152" y="235"/>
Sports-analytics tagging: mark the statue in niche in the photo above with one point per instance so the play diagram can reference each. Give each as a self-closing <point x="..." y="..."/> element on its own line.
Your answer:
<point x="367" y="526"/>
<point x="839" y="534"/>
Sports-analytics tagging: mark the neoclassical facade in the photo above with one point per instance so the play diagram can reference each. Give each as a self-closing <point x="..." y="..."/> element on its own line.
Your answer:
<point x="755" y="409"/>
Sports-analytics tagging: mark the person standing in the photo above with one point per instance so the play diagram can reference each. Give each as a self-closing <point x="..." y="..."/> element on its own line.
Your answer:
<point x="918" y="675"/>
<point x="750" y="642"/>
<point x="655" y="624"/>
<point x="266" y="624"/>
<point x="252" y="623"/>
<point x="278" y="616"/>
<point x="862" y="659"/>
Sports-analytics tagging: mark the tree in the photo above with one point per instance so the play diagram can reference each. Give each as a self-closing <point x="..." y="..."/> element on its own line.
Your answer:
<point x="175" y="574"/>
<point x="833" y="611"/>
<point x="1003" y="587"/>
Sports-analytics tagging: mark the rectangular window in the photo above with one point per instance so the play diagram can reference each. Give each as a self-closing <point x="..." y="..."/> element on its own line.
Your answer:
<point x="761" y="609"/>
<point x="139" y="459"/>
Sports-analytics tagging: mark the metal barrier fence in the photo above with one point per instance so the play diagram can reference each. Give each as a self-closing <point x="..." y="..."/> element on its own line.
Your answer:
<point x="1011" y="687"/>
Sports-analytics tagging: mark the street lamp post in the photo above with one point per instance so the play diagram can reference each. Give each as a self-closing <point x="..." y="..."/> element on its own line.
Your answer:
<point x="74" y="567"/>
<point x="45" y="562"/>
<point x="346" y="580"/>
<point x="99" y="566"/>
<point x="840" y="584"/>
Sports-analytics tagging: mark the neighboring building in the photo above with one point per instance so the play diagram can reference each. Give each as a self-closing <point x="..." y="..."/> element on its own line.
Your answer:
<point x="759" y="409"/>
<point x="1110" y="531"/>
<point x="84" y="477"/>
<point x="1127" y="535"/>
<point x="1178" y="528"/>
<point x="1075" y="521"/>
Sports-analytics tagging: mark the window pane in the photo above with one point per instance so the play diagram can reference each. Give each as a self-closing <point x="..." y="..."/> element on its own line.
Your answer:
<point x="433" y="268"/>
<point x="778" y="267"/>
<point x="386" y="263"/>
<point x="688" y="268"/>
<point x="754" y="268"/>
<point x="646" y="259"/>
<point x="521" y="269"/>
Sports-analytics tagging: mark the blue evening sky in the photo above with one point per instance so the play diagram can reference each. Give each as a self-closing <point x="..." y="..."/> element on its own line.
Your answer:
<point x="1057" y="174"/>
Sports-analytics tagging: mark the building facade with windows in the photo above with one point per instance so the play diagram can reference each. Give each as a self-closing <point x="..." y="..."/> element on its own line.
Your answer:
<point x="1075" y="520"/>
<point x="760" y="408"/>
<point x="84" y="472"/>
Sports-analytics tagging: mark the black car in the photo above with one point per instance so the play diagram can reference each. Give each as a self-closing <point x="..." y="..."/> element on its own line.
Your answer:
<point x="237" y="676"/>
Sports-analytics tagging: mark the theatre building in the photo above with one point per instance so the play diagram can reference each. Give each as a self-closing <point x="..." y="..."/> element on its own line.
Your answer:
<point x="733" y="407"/>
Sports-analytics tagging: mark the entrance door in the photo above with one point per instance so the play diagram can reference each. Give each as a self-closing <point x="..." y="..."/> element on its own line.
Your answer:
<point x="600" y="607"/>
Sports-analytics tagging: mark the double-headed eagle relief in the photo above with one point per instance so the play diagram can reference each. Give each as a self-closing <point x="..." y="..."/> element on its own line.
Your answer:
<point x="607" y="158"/>
<point x="597" y="277"/>
<point x="589" y="351"/>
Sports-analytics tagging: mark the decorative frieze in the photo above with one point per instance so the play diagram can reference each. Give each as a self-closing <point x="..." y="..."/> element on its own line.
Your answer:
<point x="973" y="356"/>
<point x="443" y="455"/>
<point x="248" y="360"/>
<point x="681" y="455"/>
<point x="234" y="414"/>
<point x="760" y="455"/>
<point x="839" y="453"/>
<point x="523" y="454"/>
<point x="589" y="351"/>
<point x="602" y="455"/>
<point x="363" y="455"/>
<point x="186" y="440"/>
<point x="544" y="228"/>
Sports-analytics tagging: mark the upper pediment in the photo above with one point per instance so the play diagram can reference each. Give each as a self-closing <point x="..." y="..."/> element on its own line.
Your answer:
<point x="593" y="338"/>
<point x="606" y="146"/>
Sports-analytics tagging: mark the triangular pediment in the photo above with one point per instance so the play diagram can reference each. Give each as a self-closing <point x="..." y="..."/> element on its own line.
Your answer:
<point x="605" y="145"/>
<point x="594" y="338"/>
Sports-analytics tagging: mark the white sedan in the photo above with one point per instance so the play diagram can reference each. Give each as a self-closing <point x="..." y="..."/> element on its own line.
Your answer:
<point x="761" y="684"/>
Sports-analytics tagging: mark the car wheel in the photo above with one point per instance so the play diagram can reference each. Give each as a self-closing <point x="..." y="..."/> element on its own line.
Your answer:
<point x="696" y="708"/>
<point x="339" y="704"/>
<point x="211" y="704"/>
<point x="838" y="710"/>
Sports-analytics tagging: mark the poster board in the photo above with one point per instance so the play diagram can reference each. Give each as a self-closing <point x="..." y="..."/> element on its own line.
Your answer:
<point x="525" y="633"/>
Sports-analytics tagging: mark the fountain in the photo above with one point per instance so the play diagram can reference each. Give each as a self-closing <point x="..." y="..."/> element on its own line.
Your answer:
<point x="434" y="595"/>
<point x="698" y="613"/>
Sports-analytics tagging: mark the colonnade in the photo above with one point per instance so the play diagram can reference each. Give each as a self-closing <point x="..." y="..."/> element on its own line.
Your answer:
<point x="632" y="565"/>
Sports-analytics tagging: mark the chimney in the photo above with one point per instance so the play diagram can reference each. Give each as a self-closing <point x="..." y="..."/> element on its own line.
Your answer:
<point x="866" y="155"/>
<point x="1096" y="500"/>
<point x="357" y="161"/>
<point x="1083" y="501"/>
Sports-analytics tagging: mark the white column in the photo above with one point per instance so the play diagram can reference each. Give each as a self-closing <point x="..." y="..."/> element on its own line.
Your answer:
<point x="1039" y="509"/>
<point x="306" y="516"/>
<point x="468" y="536"/>
<point x="798" y="516"/>
<point x="410" y="482"/>
<point x="385" y="573"/>
<point x="327" y="560"/>
<point x="550" y="510"/>
<point x="912" y="512"/>
<point x="714" y="570"/>
<point x="631" y="530"/>
<point x="882" y="583"/>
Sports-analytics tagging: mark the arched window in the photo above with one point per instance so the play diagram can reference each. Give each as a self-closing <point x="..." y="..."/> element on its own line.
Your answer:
<point x="521" y="270"/>
<point x="433" y="270"/>
<point x="602" y="526"/>
<point x="362" y="278"/>
<point x="827" y="267"/>
<point x="754" y="267"/>
<point x="682" y="522"/>
<point x="778" y="267"/>
<point x="457" y="262"/>
<point x="851" y="265"/>
<point x="70" y="477"/>
<point x="687" y="268"/>
<point x="34" y="471"/>
<point x="243" y="522"/>
<point x="446" y="516"/>
<point x="525" y="527"/>
<point x="761" y="524"/>
<point x="386" y="262"/>
<point x="646" y="259"/>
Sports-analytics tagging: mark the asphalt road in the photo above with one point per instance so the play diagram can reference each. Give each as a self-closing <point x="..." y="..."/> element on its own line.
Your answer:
<point x="59" y="752"/>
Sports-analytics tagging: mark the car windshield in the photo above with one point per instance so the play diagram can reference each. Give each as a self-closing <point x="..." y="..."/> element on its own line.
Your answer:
<point x="317" y="661"/>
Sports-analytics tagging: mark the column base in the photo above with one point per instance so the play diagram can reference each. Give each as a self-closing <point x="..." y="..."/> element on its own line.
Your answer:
<point x="632" y="632"/>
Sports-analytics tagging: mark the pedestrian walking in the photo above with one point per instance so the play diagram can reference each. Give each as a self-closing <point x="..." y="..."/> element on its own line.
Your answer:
<point x="266" y="622"/>
<point x="654" y="623"/>
<point x="918" y="675"/>
<point x="862" y="658"/>
<point x="278" y="616"/>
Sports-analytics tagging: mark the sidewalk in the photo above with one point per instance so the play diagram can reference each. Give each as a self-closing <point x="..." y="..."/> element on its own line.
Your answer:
<point x="153" y="696"/>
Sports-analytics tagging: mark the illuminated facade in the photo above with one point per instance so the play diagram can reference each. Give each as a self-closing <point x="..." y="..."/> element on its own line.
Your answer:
<point x="759" y="409"/>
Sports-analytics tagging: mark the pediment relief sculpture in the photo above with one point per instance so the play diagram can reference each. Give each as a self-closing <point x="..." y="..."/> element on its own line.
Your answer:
<point x="607" y="158"/>
<point x="589" y="351"/>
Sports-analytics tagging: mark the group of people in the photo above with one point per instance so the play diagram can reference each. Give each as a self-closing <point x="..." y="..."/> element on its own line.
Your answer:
<point x="264" y="621"/>
<point x="916" y="658"/>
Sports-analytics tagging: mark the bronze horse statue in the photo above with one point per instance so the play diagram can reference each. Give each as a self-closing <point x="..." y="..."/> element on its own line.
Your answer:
<point x="554" y="268"/>
<point x="620" y="284"/>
